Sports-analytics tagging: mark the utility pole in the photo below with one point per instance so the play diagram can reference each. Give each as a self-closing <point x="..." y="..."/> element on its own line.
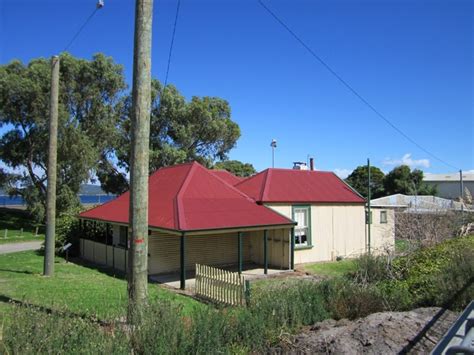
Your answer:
<point x="139" y="160"/>
<point x="48" y="269"/>
<point x="369" y="217"/>
<point x="461" y="187"/>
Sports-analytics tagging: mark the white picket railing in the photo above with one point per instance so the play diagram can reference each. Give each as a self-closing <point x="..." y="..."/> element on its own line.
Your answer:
<point x="220" y="286"/>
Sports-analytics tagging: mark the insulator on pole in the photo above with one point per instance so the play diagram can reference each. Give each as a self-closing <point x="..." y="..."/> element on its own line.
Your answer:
<point x="100" y="4"/>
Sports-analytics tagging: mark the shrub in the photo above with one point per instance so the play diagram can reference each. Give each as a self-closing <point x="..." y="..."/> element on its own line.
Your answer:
<point x="68" y="229"/>
<point x="371" y="268"/>
<point x="435" y="274"/>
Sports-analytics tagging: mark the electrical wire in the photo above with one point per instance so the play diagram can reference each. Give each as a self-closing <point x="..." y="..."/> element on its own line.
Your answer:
<point x="172" y="43"/>
<point x="350" y="88"/>
<point x="81" y="29"/>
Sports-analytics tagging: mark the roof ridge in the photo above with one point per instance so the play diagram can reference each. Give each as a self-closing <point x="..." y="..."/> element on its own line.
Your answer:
<point x="172" y="166"/>
<point x="181" y="220"/>
<point x="243" y="194"/>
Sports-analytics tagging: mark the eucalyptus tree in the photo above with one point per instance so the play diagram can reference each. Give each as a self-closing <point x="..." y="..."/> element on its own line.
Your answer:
<point x="89" y="93"/>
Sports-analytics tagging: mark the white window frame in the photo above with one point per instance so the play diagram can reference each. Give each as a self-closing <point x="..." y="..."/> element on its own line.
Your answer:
<point x="302" y="230"/>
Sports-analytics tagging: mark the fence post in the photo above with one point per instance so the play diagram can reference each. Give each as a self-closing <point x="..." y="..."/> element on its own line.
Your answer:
<point x="247" y="292"/>
<point x="21" y="232"/>
<point x="292" y="249"/>
<point x="183" y="263"/>
<point x="239" y="249"/>
<point x="265" y="251"/>
<point x="6" y="233"/>
<point x="36" y="231"/>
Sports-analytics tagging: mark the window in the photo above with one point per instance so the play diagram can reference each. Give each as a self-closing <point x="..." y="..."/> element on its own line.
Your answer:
<point x="123" y="236"/>
<point x="383" y="216"/>
<point x="301" y="215"/>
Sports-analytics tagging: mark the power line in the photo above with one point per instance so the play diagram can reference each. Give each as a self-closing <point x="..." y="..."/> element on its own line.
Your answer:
<point x="82" y="27"/>
<point x="350" y="88"/>
<point x="172" y="43"/>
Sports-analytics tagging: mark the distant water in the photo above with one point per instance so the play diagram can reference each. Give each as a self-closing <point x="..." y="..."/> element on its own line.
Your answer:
<point x="6" y="200"/>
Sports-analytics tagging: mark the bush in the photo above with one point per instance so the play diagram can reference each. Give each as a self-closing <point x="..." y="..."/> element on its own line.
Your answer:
<point x="371" y="268"/>
<point x="68" y="230"/>
<point x="429" y="276"/>
<point x="433" y="275"/>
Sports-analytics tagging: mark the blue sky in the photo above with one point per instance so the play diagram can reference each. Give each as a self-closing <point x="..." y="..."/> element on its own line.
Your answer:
<point x="411" y="59"/>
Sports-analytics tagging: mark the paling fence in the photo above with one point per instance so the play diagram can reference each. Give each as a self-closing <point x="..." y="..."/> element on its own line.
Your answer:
<point x="221" y="286"/>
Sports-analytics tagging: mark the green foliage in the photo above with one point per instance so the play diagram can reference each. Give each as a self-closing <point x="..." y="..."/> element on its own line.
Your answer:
<point x="440" y="275"/>
<point x="68" y="229"/>
<point x="428" y="271"/>
<point x="359" y="178"/>
<point x="401" y="180"/>
<point x="181" y="131"/>
<point x="236" y="167"/>
<point x="89" y="93"/>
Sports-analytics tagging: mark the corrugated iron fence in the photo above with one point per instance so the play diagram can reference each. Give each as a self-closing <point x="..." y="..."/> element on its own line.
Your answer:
<point x="221" y="286"/>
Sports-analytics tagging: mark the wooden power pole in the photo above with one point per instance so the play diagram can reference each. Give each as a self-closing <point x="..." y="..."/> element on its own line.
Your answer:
<point x="48" y="269"/>
<point x="139" y="160"/>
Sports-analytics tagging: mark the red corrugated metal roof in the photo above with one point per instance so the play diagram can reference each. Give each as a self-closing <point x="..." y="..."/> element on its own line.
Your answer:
<point x="189" y="197"/>
<point x="228" y="177"/>
<point x="290" y="186"/>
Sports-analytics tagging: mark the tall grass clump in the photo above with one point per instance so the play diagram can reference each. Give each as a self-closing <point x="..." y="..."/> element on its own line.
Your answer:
<point x="162" y="330"/>
<point x="28" y="330"/>
<point x="289" y="305"/>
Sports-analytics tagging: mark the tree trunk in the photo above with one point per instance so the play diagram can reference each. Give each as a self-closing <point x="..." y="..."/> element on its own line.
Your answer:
<point x="139" y="160"/>
<point x="48" y="269"/>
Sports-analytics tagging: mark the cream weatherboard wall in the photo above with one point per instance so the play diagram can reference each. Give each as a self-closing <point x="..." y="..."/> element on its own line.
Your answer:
<point x="383" y="231"/>
<point x="336" y="230"/>
<point x="214" y="249"/>
<point x="278" y="248"/>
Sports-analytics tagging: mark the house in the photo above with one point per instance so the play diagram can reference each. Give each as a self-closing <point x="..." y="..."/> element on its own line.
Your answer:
<point x="330" y="215"/>
<point x="194" y="217"/>
<point x="275" y="219"/>
<point x="449" y="185"/>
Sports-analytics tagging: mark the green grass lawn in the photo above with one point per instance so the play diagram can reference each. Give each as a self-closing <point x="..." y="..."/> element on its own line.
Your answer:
<point x="330" y="268"/>
<point x="13" y="221"/>
<point x="79" y="289"/>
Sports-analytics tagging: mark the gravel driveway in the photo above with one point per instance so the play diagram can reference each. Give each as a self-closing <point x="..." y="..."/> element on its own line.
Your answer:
<point x="14" y="247"/>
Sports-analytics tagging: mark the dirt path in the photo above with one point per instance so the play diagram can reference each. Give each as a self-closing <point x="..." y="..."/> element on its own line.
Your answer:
<point x="15" y="247"/>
